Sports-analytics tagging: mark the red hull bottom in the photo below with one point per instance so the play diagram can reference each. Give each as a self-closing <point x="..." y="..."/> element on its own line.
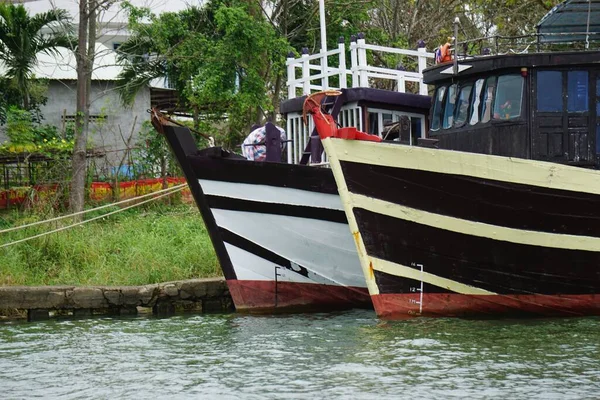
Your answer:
<point x="261" y="297"/>
<point x="402" y="306"/>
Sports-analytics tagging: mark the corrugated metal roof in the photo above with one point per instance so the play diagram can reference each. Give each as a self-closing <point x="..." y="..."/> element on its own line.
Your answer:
<point x="570" y="21"/>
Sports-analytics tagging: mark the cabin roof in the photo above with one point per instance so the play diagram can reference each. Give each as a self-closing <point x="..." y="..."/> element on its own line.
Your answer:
<point x="488" y="65"/>
<point x="387" y="97"/>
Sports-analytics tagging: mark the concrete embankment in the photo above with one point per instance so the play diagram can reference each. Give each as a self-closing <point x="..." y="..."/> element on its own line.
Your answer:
<point x="42" y="302"/>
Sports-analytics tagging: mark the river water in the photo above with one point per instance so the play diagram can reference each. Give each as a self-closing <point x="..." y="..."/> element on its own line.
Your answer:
<point x="340" y="355"/>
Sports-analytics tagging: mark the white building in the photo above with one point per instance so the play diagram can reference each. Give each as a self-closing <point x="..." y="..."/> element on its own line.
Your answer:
<point x="111" y="123"/>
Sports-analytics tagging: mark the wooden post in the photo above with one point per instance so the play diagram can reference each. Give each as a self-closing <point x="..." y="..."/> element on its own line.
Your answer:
<point x="362" y="61"/>
<point x="354" y="61"/>
<point x="291" y="72"/>
<point x="342" y="64"/>
<point x="272" y="143"/>
<point x="422" y="65"/>
<point x="305" y="71"/>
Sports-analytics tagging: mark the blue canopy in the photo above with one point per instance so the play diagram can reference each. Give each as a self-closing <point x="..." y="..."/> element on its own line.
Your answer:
<point x="571" y="21"/>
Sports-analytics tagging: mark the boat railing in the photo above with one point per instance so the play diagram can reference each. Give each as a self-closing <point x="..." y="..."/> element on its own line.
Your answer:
<point x="541" y="42"/>
<point x="316" y="74"/>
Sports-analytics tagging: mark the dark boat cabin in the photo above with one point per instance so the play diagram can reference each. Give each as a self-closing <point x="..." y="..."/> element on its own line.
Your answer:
<point x="543" y="106"/>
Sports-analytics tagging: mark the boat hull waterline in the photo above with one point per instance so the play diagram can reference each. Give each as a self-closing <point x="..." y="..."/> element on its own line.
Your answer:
<point x="447" y="233"/>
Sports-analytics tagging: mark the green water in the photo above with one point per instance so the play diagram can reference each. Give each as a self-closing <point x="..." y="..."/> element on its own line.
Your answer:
<point x="342" y="355"/>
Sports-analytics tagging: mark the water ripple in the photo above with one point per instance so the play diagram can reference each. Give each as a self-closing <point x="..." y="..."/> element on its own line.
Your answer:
<point x="339" y="355"/>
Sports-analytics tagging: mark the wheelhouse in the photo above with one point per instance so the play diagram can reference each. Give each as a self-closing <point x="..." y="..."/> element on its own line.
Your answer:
<point x="543" y="106"/>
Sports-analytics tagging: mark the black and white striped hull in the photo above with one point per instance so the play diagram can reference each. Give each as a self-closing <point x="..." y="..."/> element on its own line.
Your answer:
<point x="445" y="233"/>
<point x="279" y="231"/>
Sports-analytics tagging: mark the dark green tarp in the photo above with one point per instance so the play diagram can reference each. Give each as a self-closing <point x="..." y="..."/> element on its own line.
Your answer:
<point x="570" y="21"/>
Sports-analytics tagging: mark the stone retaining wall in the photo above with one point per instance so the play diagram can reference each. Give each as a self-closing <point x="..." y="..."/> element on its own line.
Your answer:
<point x="199" y="295"/>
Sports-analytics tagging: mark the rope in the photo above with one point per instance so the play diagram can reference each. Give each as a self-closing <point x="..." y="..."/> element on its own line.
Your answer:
<point x="88" y="220"/>
<point x="180" y="186"/>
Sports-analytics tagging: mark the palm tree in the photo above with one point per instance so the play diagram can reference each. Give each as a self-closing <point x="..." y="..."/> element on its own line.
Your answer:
<point x="23" y="37"/>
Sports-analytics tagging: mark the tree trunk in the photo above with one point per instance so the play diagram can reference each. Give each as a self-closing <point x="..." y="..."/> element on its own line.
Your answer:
<point x="85" y="61"/>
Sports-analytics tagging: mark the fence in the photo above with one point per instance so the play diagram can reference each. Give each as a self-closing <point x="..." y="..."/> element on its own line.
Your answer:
<point x="98" y="191"/>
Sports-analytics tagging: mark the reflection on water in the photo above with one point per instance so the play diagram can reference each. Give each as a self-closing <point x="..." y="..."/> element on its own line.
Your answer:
<point x="349" y="355"/>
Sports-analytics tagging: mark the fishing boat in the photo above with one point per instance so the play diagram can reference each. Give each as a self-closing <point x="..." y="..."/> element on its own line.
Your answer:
<point x="279" y="229"/>
<point x="496" y="212"/>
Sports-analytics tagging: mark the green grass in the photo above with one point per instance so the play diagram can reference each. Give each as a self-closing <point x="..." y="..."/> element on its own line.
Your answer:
<point x="150" y="245"/>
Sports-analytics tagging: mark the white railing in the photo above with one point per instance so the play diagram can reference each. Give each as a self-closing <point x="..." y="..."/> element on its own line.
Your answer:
<point x="362" y="74"/>
<point x="299" y="132"/>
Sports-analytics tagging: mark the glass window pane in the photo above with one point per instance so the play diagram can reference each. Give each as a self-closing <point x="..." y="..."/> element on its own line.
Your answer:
<point x="476" y="102"/>
<point x="509" y="96"/>
<point x="449" y="107"/>
<point x="488" y="95"/>
<point x="373" y="123"/>
<point x="549" y="91"/>
<point x="437" y="108"/>
<point x="577" y="91"/>
<point x="462" y="105"/>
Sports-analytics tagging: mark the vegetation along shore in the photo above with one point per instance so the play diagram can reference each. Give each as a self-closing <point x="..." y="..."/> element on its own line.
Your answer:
<point x="158" y="243"/>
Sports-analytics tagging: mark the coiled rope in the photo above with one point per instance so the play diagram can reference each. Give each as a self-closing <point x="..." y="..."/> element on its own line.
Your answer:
<point x="169" y="191"/>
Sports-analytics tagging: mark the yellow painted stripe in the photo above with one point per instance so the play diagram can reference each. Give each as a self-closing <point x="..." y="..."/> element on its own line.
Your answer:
<point x="533" y="238"/>
<point x="345" y="197"/>
<point x="412" y="273"/>
<point x="505" y="169"/>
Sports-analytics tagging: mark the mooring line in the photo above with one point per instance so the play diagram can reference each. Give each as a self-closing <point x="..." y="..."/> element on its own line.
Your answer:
<point x="15" y="228"/>
<point x="93" y="219"/>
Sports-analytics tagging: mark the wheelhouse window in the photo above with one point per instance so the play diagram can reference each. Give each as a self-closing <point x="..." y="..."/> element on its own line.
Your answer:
<point x="476" y="102"/>
<point x="549" y="91"/>
<point x="577" y="91"/>
<point x="509" y="97"/>
<point x="436" y="115"/>
<point x="462" y="105"/>
<point x="449" y="107"/>
<point x="486" y="102"/>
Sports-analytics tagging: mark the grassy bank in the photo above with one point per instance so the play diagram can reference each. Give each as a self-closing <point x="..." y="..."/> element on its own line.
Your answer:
<point x="150" y="245"/>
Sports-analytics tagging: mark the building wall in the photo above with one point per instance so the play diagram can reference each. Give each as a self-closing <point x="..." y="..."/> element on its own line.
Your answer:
<point x="111" y="123"/>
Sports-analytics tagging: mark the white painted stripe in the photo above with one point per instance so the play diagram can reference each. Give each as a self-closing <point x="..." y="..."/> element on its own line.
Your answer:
<point x="519" y="236"/>
<point x="271" y="194"/>
<point x="325" y="248"/>
<point x="251" y="267"/>
<point x="505" y="169"/>
<point x="411" y="273"/>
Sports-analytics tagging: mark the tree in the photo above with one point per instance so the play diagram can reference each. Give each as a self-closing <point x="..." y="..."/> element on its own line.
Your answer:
<point x="23" y="37"/>
<point x="84" y="55"/>
<point x="222" y="58"/>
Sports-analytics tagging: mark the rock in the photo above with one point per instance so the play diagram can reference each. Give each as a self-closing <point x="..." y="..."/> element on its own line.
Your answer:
<point x="170" y="289"/>
<point x="114" y="297"/>
<point x="88" y="297"/>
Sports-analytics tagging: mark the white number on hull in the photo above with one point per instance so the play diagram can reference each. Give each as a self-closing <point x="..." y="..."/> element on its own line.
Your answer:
<point x="419" y="290"/>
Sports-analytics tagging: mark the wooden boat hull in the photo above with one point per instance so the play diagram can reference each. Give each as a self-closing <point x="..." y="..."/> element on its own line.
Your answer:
<point x="279" y="231"/>
<point x="446" y="233"/>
